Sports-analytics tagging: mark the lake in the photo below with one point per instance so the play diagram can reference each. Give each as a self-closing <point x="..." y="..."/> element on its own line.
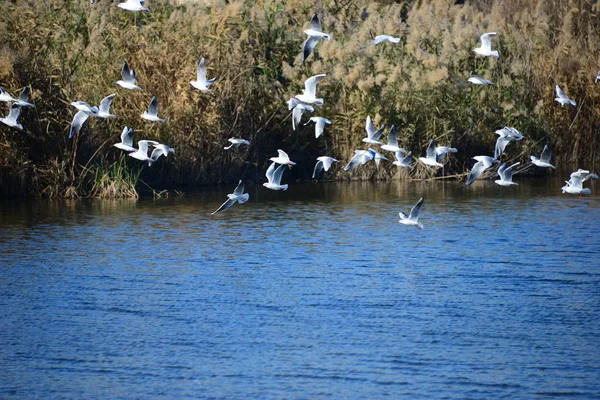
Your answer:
<point x="317" y="292"/>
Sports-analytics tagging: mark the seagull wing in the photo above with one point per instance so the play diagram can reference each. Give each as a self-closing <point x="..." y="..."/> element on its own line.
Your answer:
<point x="369" y="127"/>
<point x="354" y="161"/>
<point x="126" y="73"/>
<point x="318" y="168"/>
<point x="486" y="41"/>
<point x="546" y="154"/>
<point x="228" y="204"/>
<point x="430" y="152"/>
<point x="278" y="173"/>
<point x="153" y="106"/>
<point x="239" y="189"/>
<point x="78" y="121"/>
<point x="414" y="212"/>
<point x="297" y="115"/>
<point x="309" y="45"/>
<point x="315" y="24"/>
<point x="393" y="136"/>
<point x="106" y="102"/>
<point x="310" y="85"/>
<point x="501" y="143"/>
<point x="270" y="172"/>
<point x="127" y="136"/>
<point x="14" y="112"/>
<point x="476" y="172"/>
<point x="508" y="172"/>
<point x="24" y="96"/>
<point x="560" y="93"/>
<point x="201" y="71"/>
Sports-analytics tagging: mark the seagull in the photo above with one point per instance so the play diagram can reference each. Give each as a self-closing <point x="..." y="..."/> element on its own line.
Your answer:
<point x="562" y="98"/>
<point x="128" y="81"/>
<point x="323" y="163"/>
<point x="236" y="142"/>
<point x="483" y="163"/>
<point x="575" y="184"/>
<point x="440" y="151"/>
<point x="152" y="113"/>
<point x="238" y="196"/>
<point x="297" y="113"/>
<point x="506" y="174"/>
<point x="274" y="177"/>
<point x="85" y="107"/>
<point x="506" y="134"/>
<point x="142" y="152"/>
<point x="104" y="111"/>
<point x="486" y="46"/>
<point x="11" y="118"/>
<point x="22" y="101"/>
<point x="361" y="157"/>
<point x="384" y="39"/>
<point x="372" y="135"/>
<point x="201" y="82"/>
<point x="160" y="150"/>
<point x="544" y="160"/>
<point x="282" y="159"/>
<point x="413" y="218"/>
<point x="309" y="94"/>
<point x="403" y="161"/>
<point x="79" y="119"/>
<point x="320" y="123"/>
<point x="314" y="35"/>
<point x="5" y="97"/>
<point x="431" y="155"/>
<point x="479" y="80"/>
<point x="126" y="140"/>
<point x="133" y="5"/>
<point x="392" y="144"/>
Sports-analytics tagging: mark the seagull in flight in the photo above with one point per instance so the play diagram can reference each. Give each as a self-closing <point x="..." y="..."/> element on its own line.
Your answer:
<point x="392" y="144"/>
<point x="297" y="113"/>
<point x="152" y="113"/>
<point x="575" y="184"/>
<point x="505" y="135"/>
<point x="201" y="83"/>
<point x="128" y="80"/>
<point x="11" y="118"/>
<point x="544" y="160"/>
<point x="309" y="94"/>
<point x="562" y="98"/>
<point x="142" y="152"/>
<point x="104" y="110"/>
<point x="85" y="110"/>
<point x="320" y="123"/>
<point x="384" y="39"/>
<point x="413" y="218"/>
<point x="478" y="79"/>
<point x="282" y="159"/>
<point x="372" y="135"/>
<point x="238" y="196"/>
<point x="323" y="163"/>
<point x="126" y="140"/>
<point x="85" y="107"/>
<point x="315" y="34"/>
<point x="160" y="150"/>
<point x="133" y="5"/>
<point x="486" y="46"/>
<point x="274" y="177"/>
<point x="403" y="161"/>
<point x="506" y="174"/>
<point x="235" y="142"/>
<point x="434" y="154"/>
<point x="22" y="101"/>
<point x="361" y="157"/>
<point x="483" y="163"/>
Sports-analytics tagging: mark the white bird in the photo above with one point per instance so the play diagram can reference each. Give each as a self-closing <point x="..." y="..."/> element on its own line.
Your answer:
<point x="431" y="155"/>
<point x="274" y="177"/>
<point x="505" y="173"/>
<point x="505" y="135"/>
<point x="441" y="151"/>
<point x="142" y="152"/>
<point x="403" y="161"/>
<point x="575" y="184"/>
<point x="6" y="97"/>
<point x="562" y="98"/>
<point x="483" y="163"/>
<point x="128" y="80"/>
<point x="201" y="83"/>
<point x="104" y="110"/>
<point x="22" y="101"/>
<point x="378" y="157"/>
<point x="11" y="118"/>
<point x="297" y="113"/>
<point x="85" y="107"/>
<point x="544" y="160"/>
<point x="361" y="157"/>
<point x="320" y="123"/>
<point x="309" y="93"/>
<point x="315" y="34"/>
<point x="479" y="80"/>
<point x="152" y="113"/>
<point x="372" y="135"/>
<point x="384" y="39"/>
<point x="392" y="141"/>
<point x="236" y="142"/>
<point x="323" y="163"/>
<point x="282" y="159"/>
<point x="126" y="140"/>
<point x="78" y="121"/>
<point x="160" y="150"/>
<point x="486" y="46"/>
<point x="413" y="218"/>
<point x="238" y="196"/>
<point x="133" y="5"/>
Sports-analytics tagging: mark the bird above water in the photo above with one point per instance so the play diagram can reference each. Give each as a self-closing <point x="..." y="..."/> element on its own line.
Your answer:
<point x="238" y="196"/>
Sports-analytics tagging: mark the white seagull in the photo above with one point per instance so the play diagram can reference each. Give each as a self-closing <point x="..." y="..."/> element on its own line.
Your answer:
<point x="575" y="184"/>
<point x="309" y="93"/>
<point x="434" y="154"/>
<point x="235" y="142"/>
<point x="403" y="161"/>
<point x="562" y="98"/>
<point x="85" y="107"/>
<point x="11" y="118"/>
<point x="384" y="39"/>
<point x="486" y="46"/>
<point x="361" y="157"/>
<point x="79" y="119"/>
<point x="142" y="152"/>
<point x="160" y="150"/>
<point x="372" y="135"/>
<point x="314" y="35"/>
<point x="483" y="163"/>
<point x="201" y="83"/>
<point x="238" y="196"/>
<point x="478" y="79"/>
<point x="133" y="5"/>
<point x="505" y="135"/>
<point x="320" y="123"/>
<point x="126" y="140"/>
<point x="544" y="160"/>
<point x="297" y="113"/>
<point x="392" y="142"/>
<point x="274" y="177"/>
<point x="128" y="80"/>
<point x="505" y="173"/>
<point x="22" y="101"/>
<point x="413" y="218"/>
<point x="282" y="159"/>
<point x="323" y="163"/>
<point x="104" y="111"/>
<point x="152" y="113"/>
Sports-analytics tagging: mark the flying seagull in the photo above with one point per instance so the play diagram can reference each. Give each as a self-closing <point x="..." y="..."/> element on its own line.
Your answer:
<point x="297" y="113"/>
<point x="392" y="144"/>
<point x="142" y="152"/>
<point x="505" y="135"/>
<point x="282" y="159"/>
<point x="506" y="174"/>
<point x="152" y="113"/>
<point x="432" y="157"/>
<point x="22" y="101"/>
<point x="361" y="157"/>
<point x="403" y="161"/>
<point x="235" y="142"/>
<point x="104" y="110"/>
<point x="413" y="218"/>
<point x="323" y="163"/>
<point x="483" y="163"/>
<point x="128" y="80"/>
<point x="372" y="134"/>
<point x="314" y="35"/>
<point x="201" y="83"/>
<point x="238" y="196"/>
<point x="478" y="79"/>
<point x="544" y="160"/>
<point x="575" y="184"/>
<point x="160" y="150"/>
<point x="126" y="140"/>
<point x="133" y="5"/>
<point x="11" y="118"/>
<point x="384" y="39"/>
<point x="320" y="123"/>
<point x="562" y="98"/>
<point x="486" y="46"/>
<point x="85" y="110"/>
<point x="274" y="177"/>
<point x="309" y="93"/>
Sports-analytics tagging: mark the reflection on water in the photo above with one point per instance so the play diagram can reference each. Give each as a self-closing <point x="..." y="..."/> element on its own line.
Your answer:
<point x="310" y="293"/>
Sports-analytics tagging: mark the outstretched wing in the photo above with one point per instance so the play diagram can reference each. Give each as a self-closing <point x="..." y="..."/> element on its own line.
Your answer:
<point x="106" y="102"/>
<point x="228" y="204"/>
<point x="201" y="71"/>
<point x="393" y="136"/>
<point x="546" y="154"/>
<point x="414" y="212"/>
<point x="475" y="173"/>
<point x="127" y="136"/>
<point x="318" y="169"/>
<point x="78" y="121"/>
<point x="486" y="40"/>
<point x="430" y="153"/>
<point x="126" y="73"/>
<point x="315" y="23"/>
<point x="278" y="173"/>
<point x="310" y="85"/>
<point x="153" y="107"/>
<point x="14" y="112"/>
<point x="239" y="189"/>
<point x="309" y="45"/>
<point x="559" y="92"/>
<point x="270" y="172"/>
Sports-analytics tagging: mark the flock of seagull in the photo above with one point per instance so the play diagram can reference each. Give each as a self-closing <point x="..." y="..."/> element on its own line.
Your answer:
<point x="298" y="105"/>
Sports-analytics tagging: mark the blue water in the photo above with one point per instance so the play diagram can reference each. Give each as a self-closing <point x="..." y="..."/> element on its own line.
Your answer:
<point x="317" y="292"/>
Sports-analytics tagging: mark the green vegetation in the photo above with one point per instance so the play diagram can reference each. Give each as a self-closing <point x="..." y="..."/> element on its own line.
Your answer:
<point x="67" y="50"/>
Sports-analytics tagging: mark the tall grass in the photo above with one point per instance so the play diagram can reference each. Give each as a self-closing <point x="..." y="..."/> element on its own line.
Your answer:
<point x="69" y="50"/>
